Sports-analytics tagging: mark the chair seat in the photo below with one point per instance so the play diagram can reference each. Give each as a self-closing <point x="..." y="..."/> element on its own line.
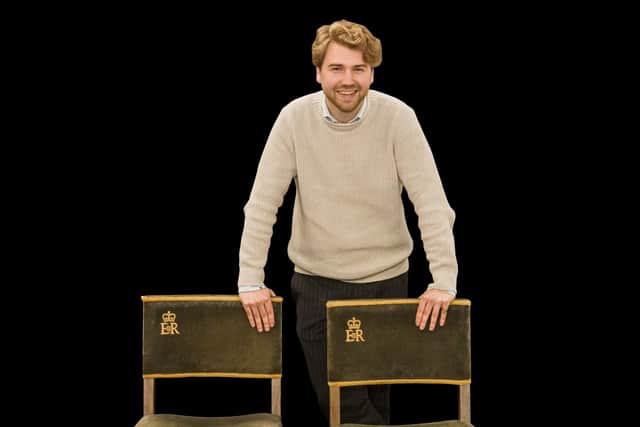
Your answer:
<point x="252" y="420"/>
<point x="452" y="423"/>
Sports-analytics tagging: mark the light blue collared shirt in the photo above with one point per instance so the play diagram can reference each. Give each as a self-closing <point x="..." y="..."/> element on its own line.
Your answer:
<point x="327" y="114"/>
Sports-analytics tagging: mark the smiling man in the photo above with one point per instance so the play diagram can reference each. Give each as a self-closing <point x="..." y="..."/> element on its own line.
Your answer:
<point x="350" y="152"/>
<point x="345" y="79"/>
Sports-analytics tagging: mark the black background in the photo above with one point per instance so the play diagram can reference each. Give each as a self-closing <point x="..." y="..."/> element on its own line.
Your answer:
<point x="186" y="101"/>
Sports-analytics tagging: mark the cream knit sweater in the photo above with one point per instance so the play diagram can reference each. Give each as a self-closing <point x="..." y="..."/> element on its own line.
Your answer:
<point x="348" y="218"/>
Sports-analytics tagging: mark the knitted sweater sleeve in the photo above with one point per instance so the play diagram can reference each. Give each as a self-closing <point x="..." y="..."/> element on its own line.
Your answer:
<point x="419" y="175"/>
<point x="276" y="169"/>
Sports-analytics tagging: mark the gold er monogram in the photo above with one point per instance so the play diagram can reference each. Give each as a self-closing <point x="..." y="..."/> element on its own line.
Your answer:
<point x="354" y="333"/>
<point x="169" y="326"/>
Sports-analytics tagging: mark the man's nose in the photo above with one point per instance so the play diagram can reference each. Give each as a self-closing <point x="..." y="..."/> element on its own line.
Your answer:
<point x="348" y="77"/>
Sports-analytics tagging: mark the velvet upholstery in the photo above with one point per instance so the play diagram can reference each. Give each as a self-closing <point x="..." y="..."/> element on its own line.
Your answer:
<point x="167" y="420"/>
<point x="214" y="336"/>
<point x="377" y="342"/>
<point x="394" y="347"/>
<point x="207" y="336"/>
<point x="452" y="423"/>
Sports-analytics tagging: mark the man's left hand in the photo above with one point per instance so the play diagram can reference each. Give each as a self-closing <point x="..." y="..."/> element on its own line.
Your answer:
<point x="434" y="303"/>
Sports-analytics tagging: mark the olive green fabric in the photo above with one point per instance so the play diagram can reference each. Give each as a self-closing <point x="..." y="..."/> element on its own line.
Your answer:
<point x="208" y="337"/>
<point x="253" y="420"/>
<point x="384" y="343"/>
<point x="453" y="423"/>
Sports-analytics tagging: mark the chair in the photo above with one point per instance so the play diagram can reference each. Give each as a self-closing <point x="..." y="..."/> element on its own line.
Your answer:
<point x="207" y="336"/>
<point x="375" y="341"/>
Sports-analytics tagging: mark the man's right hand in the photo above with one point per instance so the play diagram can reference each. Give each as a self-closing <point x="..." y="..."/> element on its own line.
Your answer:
<point x="257" y="305"/>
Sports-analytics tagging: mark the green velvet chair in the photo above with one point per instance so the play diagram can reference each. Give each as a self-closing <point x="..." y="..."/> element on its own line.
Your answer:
<point x="207" y="336"/>
<point x="375" y="341"/>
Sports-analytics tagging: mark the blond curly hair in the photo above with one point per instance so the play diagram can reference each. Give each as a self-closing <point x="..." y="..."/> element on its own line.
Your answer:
<point x="351" y="35"/>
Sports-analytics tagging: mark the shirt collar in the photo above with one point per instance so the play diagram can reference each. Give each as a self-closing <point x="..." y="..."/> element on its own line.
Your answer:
<point x="327" y="114"/>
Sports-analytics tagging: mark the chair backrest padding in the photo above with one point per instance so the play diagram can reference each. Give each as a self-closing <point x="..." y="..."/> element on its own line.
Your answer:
<point x="371" y="341"/>
<point x="207" y="335"/>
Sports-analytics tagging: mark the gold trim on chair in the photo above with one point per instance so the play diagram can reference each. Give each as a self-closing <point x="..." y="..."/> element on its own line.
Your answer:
<point x="382" y="301"/>
<point x="212" y="374"/>
<point x="162" y="298"/>
<point x="404" y="381"/>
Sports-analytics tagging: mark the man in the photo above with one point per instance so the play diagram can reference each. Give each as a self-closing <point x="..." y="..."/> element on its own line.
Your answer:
<point x="350" y="151"/>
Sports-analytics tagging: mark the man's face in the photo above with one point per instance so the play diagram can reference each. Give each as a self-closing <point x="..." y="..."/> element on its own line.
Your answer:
<point x="345" y="79"/>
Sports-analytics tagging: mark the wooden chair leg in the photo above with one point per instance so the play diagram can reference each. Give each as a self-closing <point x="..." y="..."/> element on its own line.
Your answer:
<point x="149" y="396"/>
<point x="334" y="406"/>
<point x="465" y="403"/>
<point x="276" y="389"/>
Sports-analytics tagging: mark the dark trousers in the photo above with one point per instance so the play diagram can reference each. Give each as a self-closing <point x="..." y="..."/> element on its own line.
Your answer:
<point x="359" y="404"/>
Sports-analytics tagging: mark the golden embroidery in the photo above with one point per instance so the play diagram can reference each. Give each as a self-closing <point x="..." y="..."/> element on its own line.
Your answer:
<point x="169" y="326"/>
<point x="354" y="333"/>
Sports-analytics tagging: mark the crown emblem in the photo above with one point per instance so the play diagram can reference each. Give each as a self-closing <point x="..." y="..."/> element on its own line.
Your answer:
<point x="353" y="323"/>
<point x="169" y="326"/>
<point x="168" y="316"/>
<point x="354" y="333"/>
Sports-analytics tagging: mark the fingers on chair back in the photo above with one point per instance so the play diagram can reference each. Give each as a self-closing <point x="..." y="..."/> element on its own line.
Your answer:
<point x="207" y="336"/>
<point x="376" y="342"/>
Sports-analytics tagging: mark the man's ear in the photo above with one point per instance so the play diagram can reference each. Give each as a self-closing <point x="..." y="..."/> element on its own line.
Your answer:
<point x="318" y="75"/>
<point x="372" y="70"/>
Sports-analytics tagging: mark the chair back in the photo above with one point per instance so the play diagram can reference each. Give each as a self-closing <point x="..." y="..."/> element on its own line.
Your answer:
<point x="376" y="341"/>
<point x="207" y="336"/>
